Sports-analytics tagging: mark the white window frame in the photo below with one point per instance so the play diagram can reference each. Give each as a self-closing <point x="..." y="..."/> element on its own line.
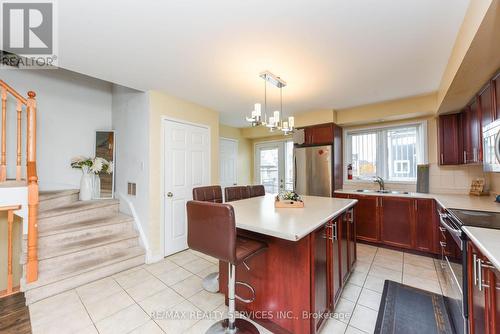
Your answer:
<point x="381" y="154"/>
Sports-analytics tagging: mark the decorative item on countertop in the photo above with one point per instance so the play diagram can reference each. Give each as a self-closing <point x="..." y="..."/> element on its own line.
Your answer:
<point x="90" y="182"/>
<point x="423" y="178"/>
<point x="477" y="187"/>
<point x="288" y="199"/>
<point x="497" y="199"/>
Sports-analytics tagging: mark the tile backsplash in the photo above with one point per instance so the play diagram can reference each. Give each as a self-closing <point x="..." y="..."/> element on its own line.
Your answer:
<point x="442" y="180"/>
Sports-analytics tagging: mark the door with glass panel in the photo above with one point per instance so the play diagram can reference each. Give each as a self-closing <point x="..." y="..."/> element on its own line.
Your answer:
<point x="274" y="166"/>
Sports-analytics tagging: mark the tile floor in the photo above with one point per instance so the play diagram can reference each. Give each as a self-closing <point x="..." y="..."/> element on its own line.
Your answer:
<point x="136" y="300"/>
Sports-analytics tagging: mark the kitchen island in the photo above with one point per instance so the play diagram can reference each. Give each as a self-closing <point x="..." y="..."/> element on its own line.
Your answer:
<point x="298" y="279"/>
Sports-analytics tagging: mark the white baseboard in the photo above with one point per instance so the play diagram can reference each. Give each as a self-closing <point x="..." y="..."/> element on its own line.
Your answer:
<point x="144" y="240"/>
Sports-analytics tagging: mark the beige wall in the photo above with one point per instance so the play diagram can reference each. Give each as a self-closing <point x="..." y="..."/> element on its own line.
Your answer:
<point x="474" y="61"/>
<point x="245" y="153"/>
<point x="165" y="105"/>
<point x="16" y="250"/>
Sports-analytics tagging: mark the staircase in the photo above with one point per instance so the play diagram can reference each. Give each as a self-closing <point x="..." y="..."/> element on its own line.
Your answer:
<point x="80" y="242"/>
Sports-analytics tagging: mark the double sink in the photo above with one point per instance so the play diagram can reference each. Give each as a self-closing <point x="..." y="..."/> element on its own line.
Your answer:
<point x="394" y="192"/>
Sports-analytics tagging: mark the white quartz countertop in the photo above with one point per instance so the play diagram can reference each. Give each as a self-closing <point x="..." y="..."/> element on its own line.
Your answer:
<point x="488" y="242"/>
<point x="448" y="201"/>
<point x="258" y="214"/>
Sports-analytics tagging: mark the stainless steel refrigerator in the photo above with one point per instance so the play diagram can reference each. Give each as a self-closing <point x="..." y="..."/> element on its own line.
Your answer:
<point x="313" y="170"/>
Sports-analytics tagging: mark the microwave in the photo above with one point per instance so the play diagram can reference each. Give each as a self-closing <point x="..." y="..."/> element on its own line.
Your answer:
<point x="491" y="147"/>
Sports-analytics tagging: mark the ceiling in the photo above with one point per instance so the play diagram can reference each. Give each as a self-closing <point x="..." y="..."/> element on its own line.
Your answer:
<point x="333" y="54"/>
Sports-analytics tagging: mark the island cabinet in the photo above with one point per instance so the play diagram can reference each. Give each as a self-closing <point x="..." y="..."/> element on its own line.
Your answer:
<point x="483" y="293"/>
<point x="297" y="283"/>
<point x="405" y="222"/>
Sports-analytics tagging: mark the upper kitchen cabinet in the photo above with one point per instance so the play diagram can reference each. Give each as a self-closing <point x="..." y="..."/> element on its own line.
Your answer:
<point x="486" y="105"/>
<point x="321" y="134"/>
<point x="450" y="141"/>
<point x="471" y="129"/>
<point x="495" y="91"/>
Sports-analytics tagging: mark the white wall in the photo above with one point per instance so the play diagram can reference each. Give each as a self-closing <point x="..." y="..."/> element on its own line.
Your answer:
<point x="70" y="108"/>
<point x="130" y="118"/>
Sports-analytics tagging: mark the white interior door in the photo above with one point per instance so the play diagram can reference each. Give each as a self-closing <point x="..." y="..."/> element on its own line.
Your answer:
<point x="228" y="164"/>
<point x="273" y="165"/>
<point x="186" y="165"/>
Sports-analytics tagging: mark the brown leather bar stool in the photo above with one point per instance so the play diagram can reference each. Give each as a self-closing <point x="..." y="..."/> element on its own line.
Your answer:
<point x="256" y="190"/>
<point x="236" y="193"/>
<point x="212" y="231"/>
<point x="209" y="194"/>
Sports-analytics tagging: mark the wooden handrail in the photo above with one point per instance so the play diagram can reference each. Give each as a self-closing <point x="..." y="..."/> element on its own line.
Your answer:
<point x="13" y="92"/>
<point x="31" y="173"/>
<point x="10" y="222"/>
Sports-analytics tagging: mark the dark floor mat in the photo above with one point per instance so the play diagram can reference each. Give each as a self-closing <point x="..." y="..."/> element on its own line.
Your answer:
<point x="408" y="310"/>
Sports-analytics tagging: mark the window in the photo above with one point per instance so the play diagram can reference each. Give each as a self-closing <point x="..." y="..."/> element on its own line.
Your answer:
<point x="389" y="152"/>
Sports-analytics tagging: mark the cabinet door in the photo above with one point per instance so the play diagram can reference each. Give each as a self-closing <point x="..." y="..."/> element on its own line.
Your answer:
<point x="344" y="247"/>
<point x="450" y="152"/>
<point x="486" y="106"/>
<point x="319" y="134"/>
<point x="477" y="298"/>
<point x="475" y="132"/>
<point x="321" y="258"/>
<point x="466" y="136"/>
<point x="366" y="217"/>
<point x="352" y="238"/>
<point x="396" y="221"/>
<point x="336" y="272"/>
<point x="495" y="301"/>
<point x="425" y="225"/>
<point x="496" y="96"/>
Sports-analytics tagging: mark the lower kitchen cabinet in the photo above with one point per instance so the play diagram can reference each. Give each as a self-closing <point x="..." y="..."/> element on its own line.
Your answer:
<point x="483" y="293"/>
<point x="410" y="223"/>
<point x="425" y="225"/>
<point x="322" y="302"/>
<point x="396" y="221"/>
<point x="367" y="218"/>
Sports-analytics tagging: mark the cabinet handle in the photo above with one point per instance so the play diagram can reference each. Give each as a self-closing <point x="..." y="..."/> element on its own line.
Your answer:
<point x="443" y="244"/>
<point x="442" y="229"/>
<point x="465" y="157"/>
<point x="474" y="154"/>
<point x="334" y="232"/>
<point x="480" y="284"/>
<point x="381" y="202"/>
<point x="474" y="268"/>
<point x="442" y="159"/>
<point x="415" y="204"/>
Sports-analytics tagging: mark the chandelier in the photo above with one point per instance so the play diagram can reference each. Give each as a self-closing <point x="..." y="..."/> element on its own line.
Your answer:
<point x="274" y="122"/>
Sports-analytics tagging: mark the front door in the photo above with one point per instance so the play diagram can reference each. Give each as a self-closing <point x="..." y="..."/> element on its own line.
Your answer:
<point x="274" y="165"/>
<point x="228" y="156"/>
<point x="186" y="159"/>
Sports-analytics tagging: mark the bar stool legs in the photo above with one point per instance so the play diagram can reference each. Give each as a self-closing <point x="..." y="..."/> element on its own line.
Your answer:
<point x="211" y="283"/>
<point x="232" y="325"/>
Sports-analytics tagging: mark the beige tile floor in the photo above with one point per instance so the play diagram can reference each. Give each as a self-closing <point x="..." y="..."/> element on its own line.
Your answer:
<point x="137" y="300"/>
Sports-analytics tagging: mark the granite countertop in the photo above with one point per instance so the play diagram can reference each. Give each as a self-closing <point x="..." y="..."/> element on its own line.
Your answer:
<point x="486" y="239"/>
<point x="258" y="214"/>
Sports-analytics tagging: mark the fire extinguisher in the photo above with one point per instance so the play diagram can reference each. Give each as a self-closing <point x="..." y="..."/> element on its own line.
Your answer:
<point x="349" y="171"/>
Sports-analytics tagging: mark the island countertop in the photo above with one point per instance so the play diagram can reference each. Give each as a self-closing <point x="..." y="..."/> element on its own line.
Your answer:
<point x="258" y="214"/>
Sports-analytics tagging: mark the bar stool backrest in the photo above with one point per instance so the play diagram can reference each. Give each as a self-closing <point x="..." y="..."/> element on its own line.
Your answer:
<point x="208" y="194"/>
<point x="236" y="193"/>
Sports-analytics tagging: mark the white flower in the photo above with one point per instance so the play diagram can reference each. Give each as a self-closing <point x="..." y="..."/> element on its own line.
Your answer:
<point x="110" y="168"/>
<point x="97" y="165"/>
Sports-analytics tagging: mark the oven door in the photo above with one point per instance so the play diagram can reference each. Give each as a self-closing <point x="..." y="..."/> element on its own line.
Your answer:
<point x="452" y="273"/>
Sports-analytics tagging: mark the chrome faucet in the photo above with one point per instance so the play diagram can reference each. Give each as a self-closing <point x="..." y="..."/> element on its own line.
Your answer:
<point x="380" y="182"/>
